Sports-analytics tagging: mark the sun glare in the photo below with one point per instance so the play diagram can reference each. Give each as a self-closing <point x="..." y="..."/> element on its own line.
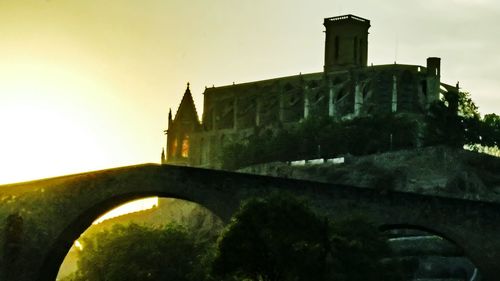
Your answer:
<point x="78" y="245"/>
<point x="131" y="207"/>
<point x="48" y="129"/>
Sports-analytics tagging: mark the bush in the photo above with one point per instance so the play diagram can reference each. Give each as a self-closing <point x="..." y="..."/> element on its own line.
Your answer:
<point x="135" y="252"/>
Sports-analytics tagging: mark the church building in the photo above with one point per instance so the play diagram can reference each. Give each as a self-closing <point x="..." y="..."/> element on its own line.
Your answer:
<point x="346" y="88"/>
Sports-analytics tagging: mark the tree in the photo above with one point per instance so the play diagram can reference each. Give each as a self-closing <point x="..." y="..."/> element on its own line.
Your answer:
<point x="490" y="130"/>
<point x="279" y="238"/>
<point x="270" y="239"/>
<point x="359" y="245"/>
<point x="135" y="252"/>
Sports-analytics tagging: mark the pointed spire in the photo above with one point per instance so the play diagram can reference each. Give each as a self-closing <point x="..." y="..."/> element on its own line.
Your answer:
<point x="169" y="120"/>
<point x="187" y="110"/>
<point x="188" y="91"/>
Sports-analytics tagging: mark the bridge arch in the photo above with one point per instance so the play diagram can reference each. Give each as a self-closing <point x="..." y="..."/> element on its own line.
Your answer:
<point x="435" y="252"/>
<point x="63" y="242"/>
<point x="82" y="222"/>
<point x="426" y="229"/>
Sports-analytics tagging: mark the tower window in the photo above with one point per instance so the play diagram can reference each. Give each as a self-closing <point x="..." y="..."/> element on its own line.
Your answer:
<point x="337" y="45"/>
<point x="355" y="53"/>
<point x="185" y="147"/>
<point x="423" y="86"/>
<point x="361" y="50"/>
<point x="202" y="151"/>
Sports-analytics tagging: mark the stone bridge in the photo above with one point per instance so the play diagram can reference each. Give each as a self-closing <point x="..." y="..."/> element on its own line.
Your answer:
<point x="51" y="213"/>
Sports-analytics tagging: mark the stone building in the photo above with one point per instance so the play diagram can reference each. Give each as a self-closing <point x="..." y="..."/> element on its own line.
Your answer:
<point x="347" y="87"/>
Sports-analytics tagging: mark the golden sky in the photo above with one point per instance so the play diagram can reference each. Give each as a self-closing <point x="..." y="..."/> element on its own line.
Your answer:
<point x="87" y="84"/>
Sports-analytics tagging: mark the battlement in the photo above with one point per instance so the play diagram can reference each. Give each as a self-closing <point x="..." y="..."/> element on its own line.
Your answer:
<point x="347" y="17"/>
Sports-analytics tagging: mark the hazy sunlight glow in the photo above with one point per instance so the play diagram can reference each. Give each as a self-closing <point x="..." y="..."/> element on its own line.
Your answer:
<point x="131" y="207"/>
<point x="78" y="245"/>
<point x="87" y="85"/>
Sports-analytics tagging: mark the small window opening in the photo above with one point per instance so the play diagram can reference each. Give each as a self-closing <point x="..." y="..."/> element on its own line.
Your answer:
<point x="173" y="151"/>
<point x="355" y="53"/>
<point x="337" y="46"/>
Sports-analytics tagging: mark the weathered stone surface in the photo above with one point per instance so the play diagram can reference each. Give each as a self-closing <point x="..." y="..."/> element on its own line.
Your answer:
<point x="56" y="211"/>
<point x="433" y="170"/>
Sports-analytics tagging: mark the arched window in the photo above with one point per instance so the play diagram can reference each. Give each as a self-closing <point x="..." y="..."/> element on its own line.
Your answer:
<point x="202" y="151"/>
<point x="185" y="147"/>
<point x="173" y="148"/>
<point x="361" y="50"/>
<point x="355" y="53"/>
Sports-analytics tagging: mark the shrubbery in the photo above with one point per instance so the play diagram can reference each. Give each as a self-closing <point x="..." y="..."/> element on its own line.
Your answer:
<point x="323" y="138"/>
<point x="136" y="252"/>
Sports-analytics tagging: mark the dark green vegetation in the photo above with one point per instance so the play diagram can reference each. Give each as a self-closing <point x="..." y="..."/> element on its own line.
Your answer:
<point x="269" y="239"/>
<point x="322" y="138"/>
<point x="453" y="121"/>
<point x="136" y="252"/>
<point x="281" y="238"/>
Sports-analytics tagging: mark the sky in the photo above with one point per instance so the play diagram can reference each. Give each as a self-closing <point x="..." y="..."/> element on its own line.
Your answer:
<point x="87" y="84"/>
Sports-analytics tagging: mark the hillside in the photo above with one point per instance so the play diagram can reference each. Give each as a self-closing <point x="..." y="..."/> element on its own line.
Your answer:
<point x="432" y="170"/>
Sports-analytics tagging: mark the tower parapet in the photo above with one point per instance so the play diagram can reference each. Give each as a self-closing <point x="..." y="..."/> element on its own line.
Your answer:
<point x="346" y="42"/>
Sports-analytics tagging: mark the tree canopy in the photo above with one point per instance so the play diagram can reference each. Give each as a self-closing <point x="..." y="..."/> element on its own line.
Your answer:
<point x="273" y="239"/>
<point x="280" y="238"/>
<point x="455" y="121"/>
<point x="136" y="252"/>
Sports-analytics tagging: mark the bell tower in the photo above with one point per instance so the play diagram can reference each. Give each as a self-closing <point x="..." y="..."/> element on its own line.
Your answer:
<point x="346" y="42"/>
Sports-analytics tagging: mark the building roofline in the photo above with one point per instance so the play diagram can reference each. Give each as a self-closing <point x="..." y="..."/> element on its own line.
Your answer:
<point x="306" y="75"/>
<point x="347" y="17"/>
<point x="309" y="75"/>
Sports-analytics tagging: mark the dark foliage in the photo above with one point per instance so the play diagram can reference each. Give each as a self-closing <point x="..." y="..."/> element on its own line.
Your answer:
<point x="455" y="121"/>
<point x="273" y="239"/>
<point x="323" y="137"/>
<point x="279" y="238"/>
<point x="12" y="244"/>
<point x="137" y="252"/>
